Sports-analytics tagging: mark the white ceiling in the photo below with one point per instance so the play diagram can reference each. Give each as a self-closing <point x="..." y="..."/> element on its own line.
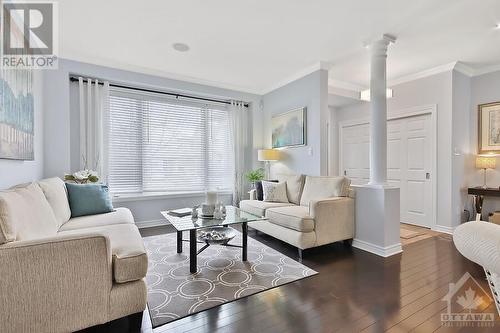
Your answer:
<point x="255" y="45"/>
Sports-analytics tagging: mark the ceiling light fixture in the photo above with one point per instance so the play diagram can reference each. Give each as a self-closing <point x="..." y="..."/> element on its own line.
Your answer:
<point x="181" y="47"/>
<point x="497" y="26"/>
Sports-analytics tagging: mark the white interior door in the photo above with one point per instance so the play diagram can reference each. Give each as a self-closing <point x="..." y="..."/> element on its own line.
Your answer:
<point x="409" y="162"/>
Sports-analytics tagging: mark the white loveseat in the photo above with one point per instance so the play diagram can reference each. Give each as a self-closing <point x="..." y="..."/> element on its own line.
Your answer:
<point x="320" y="211"/>
<point x="479" y="242"/>
<point x="62" y="274"/>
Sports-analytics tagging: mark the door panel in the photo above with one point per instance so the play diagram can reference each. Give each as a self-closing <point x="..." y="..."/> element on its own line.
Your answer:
<point x="409" y="158"/>
<point x="356" y="153"/>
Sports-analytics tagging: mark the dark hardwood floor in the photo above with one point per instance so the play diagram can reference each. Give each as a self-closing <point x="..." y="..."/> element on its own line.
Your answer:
<point x="354" y="292"/>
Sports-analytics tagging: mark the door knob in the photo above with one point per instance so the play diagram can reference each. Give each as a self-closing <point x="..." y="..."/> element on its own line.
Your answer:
<point x="427" y="175"/>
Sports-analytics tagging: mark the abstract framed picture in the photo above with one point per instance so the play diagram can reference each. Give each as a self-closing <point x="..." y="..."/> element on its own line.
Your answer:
<point x="17" y="117"/>
<point x="489" y="128"/>
<point x="289" y="128"/>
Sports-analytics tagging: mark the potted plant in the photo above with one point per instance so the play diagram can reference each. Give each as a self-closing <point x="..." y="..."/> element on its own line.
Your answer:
<point x="254" y="176"/>
<point x="82" y="177"/>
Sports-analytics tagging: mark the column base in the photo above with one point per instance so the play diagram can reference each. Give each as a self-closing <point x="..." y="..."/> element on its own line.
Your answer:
<point x="376" y="249"/>
<point x="378" y="219"/>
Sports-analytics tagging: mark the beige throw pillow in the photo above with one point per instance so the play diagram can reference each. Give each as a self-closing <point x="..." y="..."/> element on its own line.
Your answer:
<point x="317" y="188"/>
<point x="274" y="192"/>
<point x="294" y="186"/>
<point x="55" y="192"/>
<point x="25" y="214"/>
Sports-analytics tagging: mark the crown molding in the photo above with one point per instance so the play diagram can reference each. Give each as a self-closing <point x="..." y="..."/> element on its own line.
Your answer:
<point x="345" y="85"/>
<point x="456" y="65"/>
<point x="98" y="61"/>
<point x="300" y="74"/>
<point x="486" y="70"/>
<point x="422" y="74"/>
<point x="464" y="69"/>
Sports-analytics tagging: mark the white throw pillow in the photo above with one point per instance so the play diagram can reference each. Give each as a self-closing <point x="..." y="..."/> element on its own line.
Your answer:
<point x="274" y="192"/>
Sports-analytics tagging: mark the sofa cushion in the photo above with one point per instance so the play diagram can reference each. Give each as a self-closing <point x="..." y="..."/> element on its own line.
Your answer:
<point x="130" y="261"/>
<point x="294" y="186"/>
<point x="316" y="188"/>
<point x="258" y="208"/>
<point x="25" y="214"/>
<point x="55" y="192"/>
<point x="120" y="216"/>
<point x="293" y="217"/>
<point x="89" y="199"/>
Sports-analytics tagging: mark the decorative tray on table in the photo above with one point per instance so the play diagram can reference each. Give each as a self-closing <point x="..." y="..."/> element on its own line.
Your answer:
<point x="216" y="235"/>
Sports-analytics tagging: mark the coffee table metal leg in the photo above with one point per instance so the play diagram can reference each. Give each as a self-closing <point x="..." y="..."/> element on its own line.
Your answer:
<point x="179" y="241"/>
<point x="244" y="227"/>
<point x="192" y="251"/>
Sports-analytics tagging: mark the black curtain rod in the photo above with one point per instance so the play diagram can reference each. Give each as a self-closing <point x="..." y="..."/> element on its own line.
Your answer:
<point x="75" y="79"/>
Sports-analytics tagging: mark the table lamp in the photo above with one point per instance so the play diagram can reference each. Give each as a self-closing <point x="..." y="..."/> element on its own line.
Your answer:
<point x="268" y="155"/>
<point x="486" y="162"/>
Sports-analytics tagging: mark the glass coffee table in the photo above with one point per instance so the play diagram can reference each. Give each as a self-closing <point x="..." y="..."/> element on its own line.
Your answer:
<point x="233" y="216"/>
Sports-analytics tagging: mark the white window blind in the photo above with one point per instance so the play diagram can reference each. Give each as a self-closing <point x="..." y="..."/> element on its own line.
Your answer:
<point x="160" y="144"/>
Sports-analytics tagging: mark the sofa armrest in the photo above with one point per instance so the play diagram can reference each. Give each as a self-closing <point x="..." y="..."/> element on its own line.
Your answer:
<point x="334" y="219"/>
<point x="61" y="283"/>
<point x="253" y="194"/>
<point x="480" y="243"/>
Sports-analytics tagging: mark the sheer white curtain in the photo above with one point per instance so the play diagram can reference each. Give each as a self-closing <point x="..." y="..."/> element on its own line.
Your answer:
<point x="94" y="100"/>
<point x="239" y="116"/>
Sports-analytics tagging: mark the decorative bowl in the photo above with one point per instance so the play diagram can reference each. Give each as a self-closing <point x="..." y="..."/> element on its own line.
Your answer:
<point x="216" y="235"/>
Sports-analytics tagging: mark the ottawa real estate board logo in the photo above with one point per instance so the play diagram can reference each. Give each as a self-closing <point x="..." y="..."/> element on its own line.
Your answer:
<point x="468" y="305"/>
<point x="29" y="34"/>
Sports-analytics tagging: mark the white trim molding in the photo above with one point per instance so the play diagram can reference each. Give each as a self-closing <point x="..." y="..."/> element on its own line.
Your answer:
<point x="422" y="74"/>
<point x="298" y="75"/>
<point x="378" y="250"/>
<point x="443" y="228"/>
<point x="345" y="85"/>
<point x="455" y="65"/>
<point x="486" y="70"/>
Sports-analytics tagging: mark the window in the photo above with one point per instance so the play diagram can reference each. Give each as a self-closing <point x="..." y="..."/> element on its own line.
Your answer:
<point x="160" y="144"/>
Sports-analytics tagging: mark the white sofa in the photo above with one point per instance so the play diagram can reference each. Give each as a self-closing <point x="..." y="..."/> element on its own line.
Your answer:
<point x="62" y="274"/>
<point x="479" y="242"/>
<point x="320" y="211"/>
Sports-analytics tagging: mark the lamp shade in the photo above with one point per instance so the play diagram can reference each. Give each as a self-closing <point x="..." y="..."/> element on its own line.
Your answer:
<point x="486" y="162"/>
<point x="268" y="155"/>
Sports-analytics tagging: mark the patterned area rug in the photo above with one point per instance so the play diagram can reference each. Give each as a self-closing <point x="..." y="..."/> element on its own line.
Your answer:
<point x="222" y="277"/>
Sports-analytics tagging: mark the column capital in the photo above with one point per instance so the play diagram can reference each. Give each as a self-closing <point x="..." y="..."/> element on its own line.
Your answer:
<point x="379" y="46"/>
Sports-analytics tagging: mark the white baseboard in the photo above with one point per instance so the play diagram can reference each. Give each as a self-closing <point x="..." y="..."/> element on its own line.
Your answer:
<point x="376" y="249"/>
<point x="443" y="228"/>
<point x="150" y="223"/>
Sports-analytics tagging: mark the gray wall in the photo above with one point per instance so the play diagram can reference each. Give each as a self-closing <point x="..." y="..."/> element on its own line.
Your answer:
<point x="436" y="89"/>
<point x="463" y="155"/>
<point x="61" y="124"/>
<point x="311" y="91"/>
<point x="484" y="89"/>
<point x="15" y="172"/>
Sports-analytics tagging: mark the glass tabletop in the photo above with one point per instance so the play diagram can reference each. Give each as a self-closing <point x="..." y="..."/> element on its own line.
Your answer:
<point x="234" y="215"/>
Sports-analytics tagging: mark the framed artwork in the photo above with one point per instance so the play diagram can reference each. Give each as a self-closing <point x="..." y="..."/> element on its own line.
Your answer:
<point x="489" y="128"/>
<point x="289" y="128"/>
<point x="17" y="119"/>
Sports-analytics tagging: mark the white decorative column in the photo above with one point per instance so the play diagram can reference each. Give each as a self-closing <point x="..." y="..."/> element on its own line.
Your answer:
<point x="378" y="111"/>
<point x="377" y="203"/>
